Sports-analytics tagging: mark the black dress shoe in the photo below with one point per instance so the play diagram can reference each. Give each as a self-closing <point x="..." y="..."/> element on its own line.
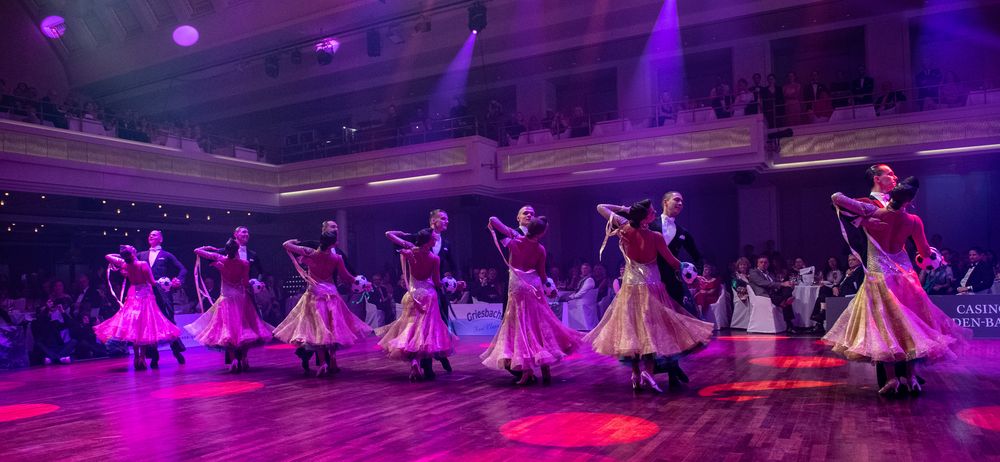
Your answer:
<point x="429" y="374"/>
<point x="516" y="374"/>
<point x="680" y="374"/>
<point x="445" y="364"/>
<point x="673" y="381"/>
<point x="180" y="357"/>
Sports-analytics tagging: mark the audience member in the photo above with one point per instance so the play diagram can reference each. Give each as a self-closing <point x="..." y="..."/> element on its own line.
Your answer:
<point x="927" y="81"/>
<point x="862" y="87"/>
<point x="887" y="101"/>
<point x="792" y="93"/>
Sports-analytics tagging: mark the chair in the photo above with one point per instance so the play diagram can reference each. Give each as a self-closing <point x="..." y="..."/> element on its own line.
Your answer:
<point x="374" y="317"/>
<point x="765" y="318"/>
<point x="718" y="312"/>
<point x="581" y="313"/>
<point x="741" y="313"/>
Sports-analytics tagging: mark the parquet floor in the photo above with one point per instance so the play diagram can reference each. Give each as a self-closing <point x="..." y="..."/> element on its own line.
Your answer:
<point x="821" y="410"/>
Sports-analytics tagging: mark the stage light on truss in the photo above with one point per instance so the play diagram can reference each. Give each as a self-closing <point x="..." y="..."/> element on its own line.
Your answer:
<point x="185" y="36"/>
<point x="325" y="49"/>
<point x="53" y="27"/>
<point x="477" y="17"/>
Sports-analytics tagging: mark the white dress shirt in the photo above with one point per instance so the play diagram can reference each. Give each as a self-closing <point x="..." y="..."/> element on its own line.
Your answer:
<point x="153" y="253"/>
<point x="437" y="244"/>
<point x="587" y="284"/>
<point x="882" y="198"/>
<point x="243" y="253"/>
<point x="669" y="228"/>
<point x="968" y="274"/>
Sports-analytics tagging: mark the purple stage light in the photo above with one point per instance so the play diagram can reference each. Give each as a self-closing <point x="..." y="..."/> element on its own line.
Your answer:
<point x="185" y="36"/>
<point x="328" y="45"/>
<point x="53" y="26"/>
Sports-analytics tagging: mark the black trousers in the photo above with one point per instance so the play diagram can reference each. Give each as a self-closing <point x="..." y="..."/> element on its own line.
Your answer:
<point x="166" y="306"/>
<point x="444" y="305"/>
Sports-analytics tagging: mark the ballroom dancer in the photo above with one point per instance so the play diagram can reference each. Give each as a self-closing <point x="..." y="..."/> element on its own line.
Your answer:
<point x="164" y="264"/>
<point x="321" y="320"/>
<point x="891" y="320"/>
<point x="232" y="323"/>
<point x="678" y="239"/>
<point x="327" y="226"/>
<point x="530" y="335"/>
<point x="420" y="333"/>
<point x="447" y="264"/>
<point x="139" y="321"/>
<point x="643" y="321"/>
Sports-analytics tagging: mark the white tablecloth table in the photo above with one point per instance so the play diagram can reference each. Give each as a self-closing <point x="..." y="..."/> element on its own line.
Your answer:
<point x="866" y="111"/>
<point x="611" y="127"/>
<point x="805" y="300"/>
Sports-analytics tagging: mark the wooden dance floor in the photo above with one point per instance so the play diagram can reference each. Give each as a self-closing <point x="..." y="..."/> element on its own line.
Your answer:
<point x="750" y="398"/>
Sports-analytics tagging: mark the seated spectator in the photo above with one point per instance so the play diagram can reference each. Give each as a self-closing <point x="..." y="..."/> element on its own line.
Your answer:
<point x="721" y="99"/>
<point x="832" y="275"/>
<point x="617" y="285"/>
<point x="849" y="284"/>
<point x="810" y="92"/>
<point x="560" y="125"/>
<point x="709" y="288"/>
<point x="887" y="102"/>
<point x="938" y="281"/>
<point x="741" y="279"/>
<point x="485" y="290"/>
<point x="978" y="278"/>
<point x="927" y="81"/>
<point x="81" y="329"/>
<point x="822" y="108"/>
<point x="765" y="283"/>
<point x="52" y="340"/>
<point x="517" y="126"/>
<point x="585" y="284"/>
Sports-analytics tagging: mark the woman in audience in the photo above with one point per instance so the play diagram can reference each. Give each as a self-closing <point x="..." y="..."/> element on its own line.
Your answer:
<point x="530" y="335"/>
<point x="741" y="279"/>
<point x="643" y="322"/>
<point x="709" y="289"/>
<point x="822" y="108"/>
<point x="232" y="323"/>
<point x="833" y="275"/>
<point x="771" y="98"/>
<point x="792" y="91"/>
<point x="742" y="99"/>
<point x="419" y="332"/>
<point x="891" y="319"/>
<point x="321" y="321"/>
<point x="139" y="321"/>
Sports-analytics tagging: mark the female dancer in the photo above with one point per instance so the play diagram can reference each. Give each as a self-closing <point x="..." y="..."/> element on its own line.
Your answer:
<point x="642" y="321"/>
<point x="231" y="323"/>
<point x="321" y="320"/>
<point x="891" y="319"/>
<point x="530" y="335"/>
<point x="419" y="332"/>
<point x="139" y="320"/>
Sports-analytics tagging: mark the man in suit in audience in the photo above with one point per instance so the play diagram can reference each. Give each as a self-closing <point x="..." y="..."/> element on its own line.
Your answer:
<point x="862" y="87"/>
<point x="812" y="90"/>
<point x="677" y="239"/>
<point x="163" y="264"/>
<point x="763" y="283"/>
<point x="978" y="278"/>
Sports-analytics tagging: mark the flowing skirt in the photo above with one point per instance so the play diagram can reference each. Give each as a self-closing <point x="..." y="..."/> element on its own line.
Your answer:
<point x="321" y="319"/>
<point x="231" y="322"/>
<point x="419" y="332"/>
<point x="530" y="334"/>
<point x="139" y="321"/>
<point x="891" y="319"/>
<point x="642" y="321"/>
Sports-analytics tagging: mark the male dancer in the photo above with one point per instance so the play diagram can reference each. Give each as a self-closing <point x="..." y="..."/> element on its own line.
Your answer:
<point x="677" y="239"/>
<point x="524" y="216"/>
<point x="442" y="248"/>
<point x="163" y="264"/>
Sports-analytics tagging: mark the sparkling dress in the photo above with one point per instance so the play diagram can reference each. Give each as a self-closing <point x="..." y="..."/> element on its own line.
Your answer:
<point x="139" y="321"/>
<point x="419" y="332"/>
<point x="530" y="334"/>
<point x="232" y="321"/>
<point x="891" y="318"/>
<point x="644" y="320"/>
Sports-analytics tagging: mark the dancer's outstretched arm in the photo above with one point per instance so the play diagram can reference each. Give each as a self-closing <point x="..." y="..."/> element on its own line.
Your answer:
<point x="115" y="259"/>
<point x="397" y="238"/>
<point x="292" y="245"/>
<point x="208" y="252"/>
<point x="606" y="210"/>
<point x="857" y="207"/>
<point x="496" y="224"/>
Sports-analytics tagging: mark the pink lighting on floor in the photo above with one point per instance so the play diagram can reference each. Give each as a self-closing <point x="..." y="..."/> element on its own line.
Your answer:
<point x="579" y="429"/>
<point x="713" y="391"/>
<point x="24" y="411"/>
<point x="752" y="338"/>
<point x="986" y="417"/>
<point x="798" y="362"/>
<point x="207" y="389"/>
<point x="53" y="27"/>
<point x="4" y="386"/>
<point x="280" y="346"/>
<point x="186" y="36"/>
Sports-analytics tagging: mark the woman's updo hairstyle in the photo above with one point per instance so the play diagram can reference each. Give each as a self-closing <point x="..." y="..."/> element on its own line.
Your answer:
<point x="537" y="226"/>
<point x="638" y="212"/>
<point x="232" y="249"/>
<point x="127" y="253"/>
<point x="903" y="193"/>
<point x="423" y="236"/>
<point x="327" y="240"/>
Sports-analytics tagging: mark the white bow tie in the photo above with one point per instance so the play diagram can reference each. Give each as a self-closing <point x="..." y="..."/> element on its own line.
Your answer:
<point x="157" y="248"/>
<point x="668" y="220"/>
